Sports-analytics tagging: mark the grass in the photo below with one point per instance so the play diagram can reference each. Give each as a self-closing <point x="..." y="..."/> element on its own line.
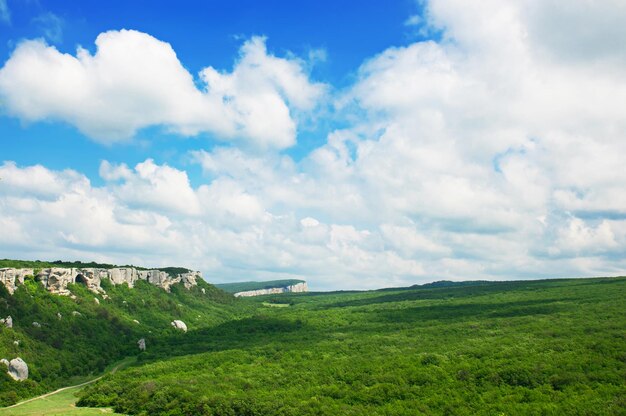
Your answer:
<point x="64" y="402"/>
<point x="275" y="305"/>
<point x="59" y="404"/>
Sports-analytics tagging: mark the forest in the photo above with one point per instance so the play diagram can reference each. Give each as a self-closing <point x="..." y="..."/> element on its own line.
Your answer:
<point x="534" y="347"/>
<point x="545" y="347"/>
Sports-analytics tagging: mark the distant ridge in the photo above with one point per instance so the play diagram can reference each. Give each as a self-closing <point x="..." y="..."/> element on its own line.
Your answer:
<point x="239" y="287"/>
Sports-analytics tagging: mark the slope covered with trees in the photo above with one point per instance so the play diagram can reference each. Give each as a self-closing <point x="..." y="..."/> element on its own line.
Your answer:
<point x="533" y="347"/>
<point x="63" y="339"/>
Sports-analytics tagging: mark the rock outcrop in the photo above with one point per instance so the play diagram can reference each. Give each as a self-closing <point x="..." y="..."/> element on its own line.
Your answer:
<point x="8" y="321"/>
<point x="141" y="344"/>
<point x="297" y="288"/>
<point x="18" y="369"/>
<point x="11" y="277"/>
<point x="179" y="325"/>
<point x="56" y="279"/>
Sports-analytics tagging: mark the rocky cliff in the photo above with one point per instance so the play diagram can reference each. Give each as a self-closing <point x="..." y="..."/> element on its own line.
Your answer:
<point x="298" y="287"/>
<point x="56" y="279"/>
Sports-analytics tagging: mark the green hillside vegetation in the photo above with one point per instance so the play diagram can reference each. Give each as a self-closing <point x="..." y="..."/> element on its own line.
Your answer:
<point x="554" y="347"/>
<point x="88" y="336"/>
<point x="246" y="286"/>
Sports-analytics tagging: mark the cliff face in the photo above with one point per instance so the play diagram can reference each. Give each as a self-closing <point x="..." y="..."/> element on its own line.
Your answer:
<point x="297" y="288"/>
<point x="56" y="279"/>
<point x="11" y="277"/>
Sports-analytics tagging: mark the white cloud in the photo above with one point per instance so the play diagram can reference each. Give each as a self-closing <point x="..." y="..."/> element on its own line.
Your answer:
<point x="152" y="186"/>
<point x="488" y="155"/>
<point x="134" y="81"/>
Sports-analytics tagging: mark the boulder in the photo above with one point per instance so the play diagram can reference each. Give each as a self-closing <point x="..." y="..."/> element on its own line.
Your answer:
<point x="179" y="325"/>
<point x="97" y="301"/>
<point x="5" y="362"/>
<point x="8" y="322"/>
<point x="59" y="315"/>
<point x="36" y="324"/>
<point x="18" y="369"/>
<point x="16" y="342"/>
<point x="76" y="313"/>
<point x="141" y="344"/>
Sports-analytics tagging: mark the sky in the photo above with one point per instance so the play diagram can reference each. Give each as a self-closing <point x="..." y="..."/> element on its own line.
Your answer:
<point x="351" y="144"/>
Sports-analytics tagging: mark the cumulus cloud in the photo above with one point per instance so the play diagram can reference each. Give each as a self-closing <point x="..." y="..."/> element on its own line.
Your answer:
<point x="135" y="81"/>
<point x="487" y="155"/>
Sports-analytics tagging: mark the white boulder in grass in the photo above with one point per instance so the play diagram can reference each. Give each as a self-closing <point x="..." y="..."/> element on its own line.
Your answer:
<point x="18" y="369"/>
<point x="179" y="325"/>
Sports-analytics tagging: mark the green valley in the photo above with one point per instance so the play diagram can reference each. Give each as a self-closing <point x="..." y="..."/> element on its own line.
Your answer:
<point x="547" y="347"/>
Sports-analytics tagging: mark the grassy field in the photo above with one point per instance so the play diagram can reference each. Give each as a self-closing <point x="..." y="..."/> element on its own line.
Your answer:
<point x="555" y="347"/>
<point x="63" y="402"/>
<point x="60" y="404"/>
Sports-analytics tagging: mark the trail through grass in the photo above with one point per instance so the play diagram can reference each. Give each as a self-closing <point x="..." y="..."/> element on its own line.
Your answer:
<point x="62" y="401"/>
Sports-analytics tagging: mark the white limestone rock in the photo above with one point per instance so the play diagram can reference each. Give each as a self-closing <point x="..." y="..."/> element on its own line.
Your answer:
<point x="8" y="322"/>
<point x="141" y="344"/>
<point x="190" y="279"/>
<point x="122" y="275"/>
<point x="36" y="324"/>
<point x="11" y="277"/>
<point x="179" y="325"/>
<point x="76" y="313"/>
<point x="18" y="369"/>
<point x="5" y="362"/>
<point x="57" y="279"/>
<point x="297" y="288"/>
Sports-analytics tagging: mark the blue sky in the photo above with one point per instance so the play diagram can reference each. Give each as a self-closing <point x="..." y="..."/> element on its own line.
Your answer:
<point x="355" y="145"/>
<point x="201" y="33"/>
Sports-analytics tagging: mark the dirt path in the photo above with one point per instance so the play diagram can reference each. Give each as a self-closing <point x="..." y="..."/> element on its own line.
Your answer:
<point x="43" y="396"/>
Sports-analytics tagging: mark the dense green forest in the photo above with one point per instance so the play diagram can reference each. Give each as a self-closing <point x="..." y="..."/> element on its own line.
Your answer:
<point x="246" y="286"/>
<point x="63" y="339"/>
<point x="555" y="347"/>
<point x="549" y="347"/>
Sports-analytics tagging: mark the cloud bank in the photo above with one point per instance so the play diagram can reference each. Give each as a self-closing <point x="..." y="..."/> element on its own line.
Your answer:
<point x="494" y="153"/>
<point x="134" y="81"/>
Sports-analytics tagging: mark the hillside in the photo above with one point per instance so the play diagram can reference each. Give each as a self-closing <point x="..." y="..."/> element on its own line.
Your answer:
<point x="64" y="339"/>
<point x="550" y="347"/>
<point x="249" y="286"/>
